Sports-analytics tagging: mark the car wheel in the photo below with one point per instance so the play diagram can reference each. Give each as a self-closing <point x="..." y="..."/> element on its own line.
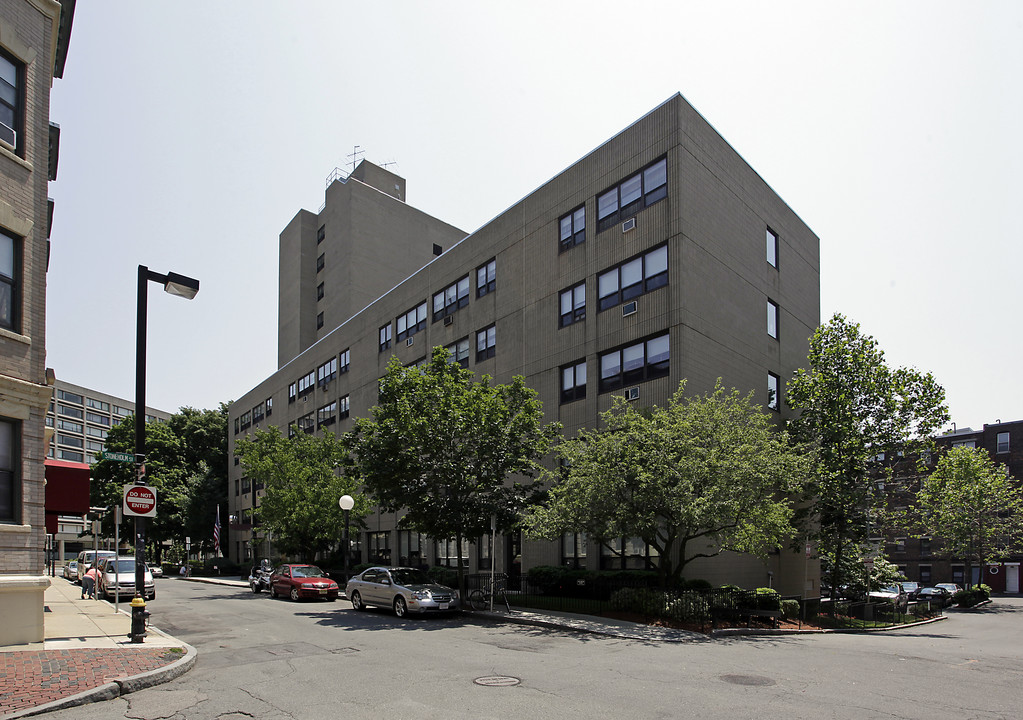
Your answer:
<point x="357" y="602"/>
<point x="400" y="607"/>
<point x="255" y="588"/>
<point x="294" y="594"/>
<point x="273" y="591"/>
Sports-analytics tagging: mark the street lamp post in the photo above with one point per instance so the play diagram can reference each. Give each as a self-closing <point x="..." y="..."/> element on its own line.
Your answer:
<point x="187" y="288"/>
<point x="347" y="502"/>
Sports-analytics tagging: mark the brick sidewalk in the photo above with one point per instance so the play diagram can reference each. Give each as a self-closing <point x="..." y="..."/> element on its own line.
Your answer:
<point x="33" y="677"/>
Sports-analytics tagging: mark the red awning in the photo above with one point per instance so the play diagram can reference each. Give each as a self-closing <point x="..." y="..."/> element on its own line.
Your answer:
<point x="67" y="487"/>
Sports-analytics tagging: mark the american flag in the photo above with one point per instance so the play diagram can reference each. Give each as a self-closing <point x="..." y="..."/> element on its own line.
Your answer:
<point x="216" y="532"/>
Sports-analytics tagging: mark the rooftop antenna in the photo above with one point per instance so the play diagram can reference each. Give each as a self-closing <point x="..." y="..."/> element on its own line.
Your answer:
<point x="390" y="162"/>
<point x="355" y="156"/>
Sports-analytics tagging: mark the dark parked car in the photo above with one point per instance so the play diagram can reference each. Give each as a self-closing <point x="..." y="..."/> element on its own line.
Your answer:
<point x="302" y="581"/>
<point x="911" y="588"/>
<point x="935" y="595"/>
<point x="403" y="589"/>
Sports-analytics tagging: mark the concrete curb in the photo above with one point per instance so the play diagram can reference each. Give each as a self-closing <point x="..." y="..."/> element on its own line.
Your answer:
<point x="726" y="632"/>
<point x="116" y="688"/>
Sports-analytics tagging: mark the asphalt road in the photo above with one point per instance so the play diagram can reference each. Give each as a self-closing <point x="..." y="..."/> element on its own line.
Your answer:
<point x="264" y="658"/>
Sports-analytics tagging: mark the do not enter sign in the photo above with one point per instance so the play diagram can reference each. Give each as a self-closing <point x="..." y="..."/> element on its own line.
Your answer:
<point x="139" y="501"/>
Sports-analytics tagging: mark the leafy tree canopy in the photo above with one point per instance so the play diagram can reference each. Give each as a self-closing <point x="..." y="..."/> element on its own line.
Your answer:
<point x="450" y="451"/>
<point x="302" y="485"/>
<point x="973" y="505"/>
<point x="854" y="411"/>
<point x="695" y="478"/>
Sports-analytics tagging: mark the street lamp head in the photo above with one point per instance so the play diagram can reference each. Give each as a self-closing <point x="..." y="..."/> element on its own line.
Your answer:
<point x="181" y="286"/>
<point x="347" y="502"/>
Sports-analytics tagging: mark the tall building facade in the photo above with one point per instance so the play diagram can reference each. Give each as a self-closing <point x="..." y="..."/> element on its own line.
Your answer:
<point x="34" y="36"/>
<point x="81" y="419"/>
<point x="660" y="256"/>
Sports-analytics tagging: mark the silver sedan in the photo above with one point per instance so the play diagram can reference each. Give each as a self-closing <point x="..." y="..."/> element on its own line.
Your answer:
<point x="405" y="590"/>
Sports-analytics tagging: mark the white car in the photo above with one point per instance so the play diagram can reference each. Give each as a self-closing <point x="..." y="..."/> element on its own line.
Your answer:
<point x="892" y="593"/>
<point x="117" y="577"/>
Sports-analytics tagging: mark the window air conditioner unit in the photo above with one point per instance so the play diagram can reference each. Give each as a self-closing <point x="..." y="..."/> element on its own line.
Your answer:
<point x="410" y="340"/>
<point x="630" y="308"/>
<point x="629" y="224"/>
<point x="632" y="393"/>
<point x="8" y="135"/>
<point x="448" y="320"/>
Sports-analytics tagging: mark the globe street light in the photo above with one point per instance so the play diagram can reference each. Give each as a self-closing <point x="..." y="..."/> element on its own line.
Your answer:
<point x="187" y="288"/>
<point x="347" y="502"/>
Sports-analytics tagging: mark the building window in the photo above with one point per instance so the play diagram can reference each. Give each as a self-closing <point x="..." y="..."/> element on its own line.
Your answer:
<point x="900" y="545"/>
<point x="257" y="413"/>
<point x="237" y="487"/>
<point x="573" y="305"/>
<point x="70" y="411"/>
<point x="319" y="320"/>
<point x="320" y="262"/>
<point x="69" y="397"/>
<point x="772" y="247"/>
<point x="459" y="352"/>
<point x="269" y="406"/>
<point x="97" y="405"/>
<point x="321" y="234"/>
<point x="306" y="423"/>
<point x="486" y="278"/>
<point x="70" y="440"/>
<point x="773" y="391"/>
<point x="638" y="362"/>
<point x="573" y="550"/>
<point x="635" y="193"/>
<point x="572" y="229"/>
<point x="925" y="547"/>
<point x="925" y="575"/>
<point x="633" y="278"/>
<point x="123" y="412"/>
<point x="965" y="443"/>
<point x="246" y="486"/>
<point x="486" y="343"/>
<point x="379" y="547"/>
<point x="69" y="426"/>
<point x="70" y="455"/>
<point x="410" y="548"/>
<point x="573" y="382"/>
<point x="292" y="392"/>
<point x="630" y="554"/>
<point x="10" y="274"/>
<point x="306" y="383"/>
<point x="319" y="291"/>
<point x="447" y="553"/>
<point x="385" y="337"/>
<point x="772" y="319"/>
<point x="344" y="360"/>
<point x="246" y="419"/>
<point x="451" y="299"/>
<point x="96" y="432"/>
<point x="1003" y="442"/>
<point x="326" y="415"/>
<point x="11" y="78"/>
<point x="98" y="419"/>
<point x="412" y="321"/>
<point x="326" y="372"/>
<point x="342" y="407"/>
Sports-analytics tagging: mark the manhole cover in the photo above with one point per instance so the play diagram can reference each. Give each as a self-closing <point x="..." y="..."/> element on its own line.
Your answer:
<point x="747" y="680"/>
<point x="497" y="681"/>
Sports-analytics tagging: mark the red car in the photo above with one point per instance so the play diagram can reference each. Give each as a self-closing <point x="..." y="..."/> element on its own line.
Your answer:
<point x="302" y="581"/>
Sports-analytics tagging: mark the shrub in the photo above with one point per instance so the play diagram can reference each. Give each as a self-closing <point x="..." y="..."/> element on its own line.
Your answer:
<point x="768" y="599"/>
<point x="444" y="575"/>
<point x="973" y="596"/>
<point x="546" y="578"/>
<point x="697" y="584"/>
<point x="789" y="609"/>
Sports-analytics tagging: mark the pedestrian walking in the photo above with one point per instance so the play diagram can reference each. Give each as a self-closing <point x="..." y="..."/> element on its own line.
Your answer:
<point x="89" y="582"/>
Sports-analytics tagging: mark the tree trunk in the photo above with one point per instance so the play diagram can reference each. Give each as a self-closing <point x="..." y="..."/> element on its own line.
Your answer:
<point x="461" y="570"/>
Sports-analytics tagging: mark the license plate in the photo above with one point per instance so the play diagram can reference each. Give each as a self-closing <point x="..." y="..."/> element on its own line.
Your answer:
<point x="323" y="591"/>
<point x="442" y="606"/>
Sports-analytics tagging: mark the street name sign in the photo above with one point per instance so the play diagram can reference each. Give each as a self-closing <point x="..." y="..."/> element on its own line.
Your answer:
<point x="139" y="501"/>
<point x="116" y="456"/>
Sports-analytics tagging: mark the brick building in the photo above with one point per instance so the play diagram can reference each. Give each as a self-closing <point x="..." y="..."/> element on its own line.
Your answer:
<point x="34" y="37"/>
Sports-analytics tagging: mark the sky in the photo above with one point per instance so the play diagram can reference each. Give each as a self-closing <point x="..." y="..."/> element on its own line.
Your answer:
<point x="193" y="132"/>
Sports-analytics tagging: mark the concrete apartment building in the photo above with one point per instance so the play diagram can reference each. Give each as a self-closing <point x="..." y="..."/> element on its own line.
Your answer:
<point x="660" y="256"/>
<point x="34" y="37"/>
<point x="81" y="419"/>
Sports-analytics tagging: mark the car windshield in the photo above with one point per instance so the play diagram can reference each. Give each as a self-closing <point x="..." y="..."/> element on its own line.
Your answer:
<point x="123" y="566"/>
<point x="306" y="571"/>
<point x="408" y="576"/>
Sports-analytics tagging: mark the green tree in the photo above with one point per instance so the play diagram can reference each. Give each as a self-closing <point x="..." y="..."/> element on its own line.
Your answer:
<point x="855" y="411"/>
<point x="693" y="479"/>
<point x="449" y="450"/>
<point x="303" y="485"/>
<point x="973" y="505"/>
<point x="165" y="471"/>
<point x="203" y="452"/>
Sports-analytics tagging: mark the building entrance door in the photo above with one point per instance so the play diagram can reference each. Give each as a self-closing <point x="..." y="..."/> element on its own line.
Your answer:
<point x="1012" y="578"/>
